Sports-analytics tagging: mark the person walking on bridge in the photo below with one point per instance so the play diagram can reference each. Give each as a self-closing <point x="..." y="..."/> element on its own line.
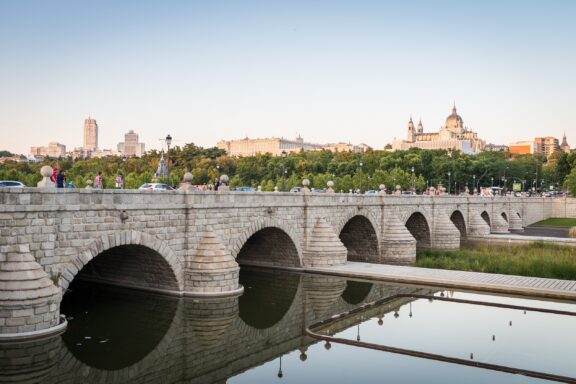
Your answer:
<point x="61" y="179"/>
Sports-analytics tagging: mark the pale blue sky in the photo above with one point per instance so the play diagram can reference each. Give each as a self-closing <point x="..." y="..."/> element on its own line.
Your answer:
<point x="329" y="70"/>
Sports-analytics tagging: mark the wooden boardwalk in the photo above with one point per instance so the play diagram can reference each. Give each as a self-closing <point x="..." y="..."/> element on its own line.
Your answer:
<point x="518" y="285"/>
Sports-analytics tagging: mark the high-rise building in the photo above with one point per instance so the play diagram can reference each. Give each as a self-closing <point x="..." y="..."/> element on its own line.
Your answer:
<point x="131" y="146"/>
<point x="90" y="135"/>
<point x="53" y="149"/>
<point x="547" y="145"/>
<point x="523" y="148"/>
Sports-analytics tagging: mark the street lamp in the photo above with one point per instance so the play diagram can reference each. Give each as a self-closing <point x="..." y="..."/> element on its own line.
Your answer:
<point x="449" y="174"/>
<point x="361" y="164"/>
<point x="284" y="154"/>
<point x="473" y="184"/>
<point x="168" y="142"/>
<point x="413" y="181"/>
<point x="492" y="179"/>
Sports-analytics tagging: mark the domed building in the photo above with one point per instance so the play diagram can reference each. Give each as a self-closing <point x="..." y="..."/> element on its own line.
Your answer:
<point x="453" y="135"/>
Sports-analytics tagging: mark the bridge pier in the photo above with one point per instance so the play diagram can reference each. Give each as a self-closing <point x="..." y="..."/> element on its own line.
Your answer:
<point x="445" y="235"/>
<point x="515" y="222"/>
<point x="499" y="224"/>
<point x="29" y="300"/>
<point x="478" y="226"/>
<point x="212" y="271"/>
<point x="398" y="245"/>
<point x="324" y="248"/>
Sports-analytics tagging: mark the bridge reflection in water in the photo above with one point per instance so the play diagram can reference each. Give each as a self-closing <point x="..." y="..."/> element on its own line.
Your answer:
<point x="119" y="335"/>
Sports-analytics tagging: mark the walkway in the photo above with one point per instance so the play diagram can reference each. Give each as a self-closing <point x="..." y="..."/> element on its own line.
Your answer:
<point x="519" y="285"/>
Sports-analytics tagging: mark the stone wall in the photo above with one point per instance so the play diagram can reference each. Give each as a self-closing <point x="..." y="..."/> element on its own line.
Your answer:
<point x="157" y="234"/>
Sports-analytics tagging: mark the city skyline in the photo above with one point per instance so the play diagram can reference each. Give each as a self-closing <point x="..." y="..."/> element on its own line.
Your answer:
<point x="330" y="71"/>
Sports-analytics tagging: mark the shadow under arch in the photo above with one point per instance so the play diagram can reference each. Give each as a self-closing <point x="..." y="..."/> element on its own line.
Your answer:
<point x="504" y="216"/>
<point x="360" y="239"/>
<point x="113" y="328"/>
<point x="418" y="226"/>
<point x="268" y="296"/>
<point x="356" y="291"/>
<point x="269" y="246"/>
<point x="486" y="217"/>
<point x="132" y="241"/>
<point x="132" y="266"/>
<point x="458" y="220"/>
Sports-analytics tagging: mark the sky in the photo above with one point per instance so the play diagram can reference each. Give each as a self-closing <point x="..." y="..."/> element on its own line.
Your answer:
<point x="331" y="71"/>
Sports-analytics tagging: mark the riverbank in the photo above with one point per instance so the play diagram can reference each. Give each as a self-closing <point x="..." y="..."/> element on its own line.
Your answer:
<point x="537" y="259"/>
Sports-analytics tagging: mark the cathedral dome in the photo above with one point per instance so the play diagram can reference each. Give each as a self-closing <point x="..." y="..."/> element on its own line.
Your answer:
<point x="454" y="120"/>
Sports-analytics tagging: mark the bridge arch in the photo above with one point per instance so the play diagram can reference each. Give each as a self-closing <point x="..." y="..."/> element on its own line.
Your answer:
<point x="486" y="216"/>
<point x="459" y="222"/>
<point x="360" y="236"/>
<point x="419" y="228"/>
<point x="268" y="242"/>
<point x="146" y="263"/>
<point x="504" y="216"/>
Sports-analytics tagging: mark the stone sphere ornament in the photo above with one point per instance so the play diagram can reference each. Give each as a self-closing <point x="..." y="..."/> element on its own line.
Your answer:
<point x="46" y="171"/>
<point x="188" y="177"/>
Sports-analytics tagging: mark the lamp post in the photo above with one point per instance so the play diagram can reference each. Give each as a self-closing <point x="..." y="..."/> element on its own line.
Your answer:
<point x="449" y="174"/>
<point x="492" y="179"/>
<point x="284" y="154"/>
<point x="361" y="164"/>
<point x="473" y="184"/>
<point x="413" y="181"/>
<point x="168" y="142"/>
<point x="280" y="373"/>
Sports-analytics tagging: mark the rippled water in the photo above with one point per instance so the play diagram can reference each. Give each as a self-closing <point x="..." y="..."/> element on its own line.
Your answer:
<point x="116" y="335"/>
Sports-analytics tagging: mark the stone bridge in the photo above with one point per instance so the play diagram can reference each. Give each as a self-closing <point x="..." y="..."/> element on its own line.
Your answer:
<point x="191" y="243"/>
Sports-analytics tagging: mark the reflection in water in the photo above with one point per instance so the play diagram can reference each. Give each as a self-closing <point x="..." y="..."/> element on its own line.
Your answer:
<point x="323" y="292"/>
<point x="267" y="296"/>
<point x="111" y="328"/>
<point x="356" y="291"/>
<point x="210" y="318"/>
<point x="136" y="337"/>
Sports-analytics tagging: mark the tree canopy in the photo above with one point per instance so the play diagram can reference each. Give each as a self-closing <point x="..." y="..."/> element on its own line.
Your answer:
<point x="412" y="168"/>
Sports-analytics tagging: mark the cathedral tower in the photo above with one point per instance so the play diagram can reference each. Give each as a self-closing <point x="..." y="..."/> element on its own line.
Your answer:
<point x="411" y="136"/>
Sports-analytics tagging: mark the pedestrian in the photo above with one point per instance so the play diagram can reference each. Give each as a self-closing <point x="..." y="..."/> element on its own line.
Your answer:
<point x="98" y="181"/>
<point x="54" y="175"/>
<point x="60" y="179"/>
<point x="119" y="181"/>
<point x="216" y="184"/>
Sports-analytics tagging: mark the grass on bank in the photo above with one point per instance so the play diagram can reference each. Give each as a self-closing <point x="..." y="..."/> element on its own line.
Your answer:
<point x="556" y="222"/>
<point x="538" y="259"/>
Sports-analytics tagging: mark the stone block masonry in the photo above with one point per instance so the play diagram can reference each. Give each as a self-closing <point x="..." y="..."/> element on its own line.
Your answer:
<point x="190" y="243"/>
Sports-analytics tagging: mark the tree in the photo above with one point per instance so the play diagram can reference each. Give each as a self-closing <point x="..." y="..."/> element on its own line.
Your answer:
<point x="570" y="182"/>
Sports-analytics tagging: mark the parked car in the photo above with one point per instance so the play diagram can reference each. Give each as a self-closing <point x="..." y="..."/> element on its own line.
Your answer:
<point x="11" y="184"/>
<point x="296" y="189"/>
<point x="245" y="189"/>
<point x="155" y="187"/>
<point x="371" y="192"/>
